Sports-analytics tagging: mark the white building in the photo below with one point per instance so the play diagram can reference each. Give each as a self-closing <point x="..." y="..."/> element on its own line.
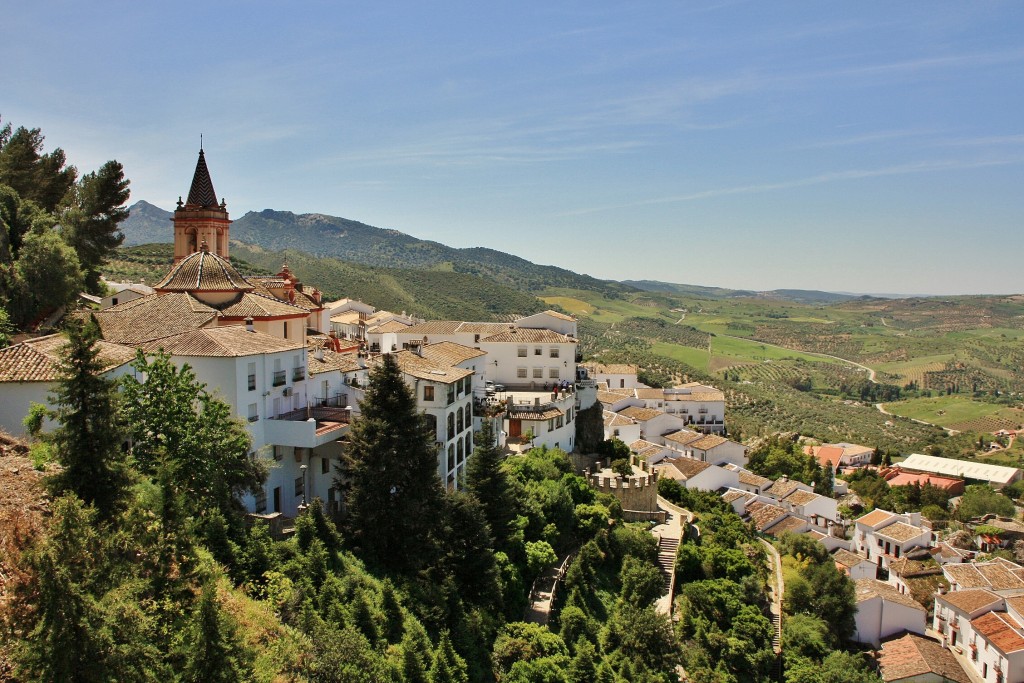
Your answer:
<point x="853" y="565"/>
<point x="710" y="447"/>
<point x="883" y="536"/>
<point x="696" y="474"/>
<point x="882" y="611"/>
<point x="614" y="375"/>
<point x="29" y="372"/>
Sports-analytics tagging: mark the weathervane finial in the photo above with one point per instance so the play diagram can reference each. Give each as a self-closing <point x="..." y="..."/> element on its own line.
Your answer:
<point x="200" y="142"/>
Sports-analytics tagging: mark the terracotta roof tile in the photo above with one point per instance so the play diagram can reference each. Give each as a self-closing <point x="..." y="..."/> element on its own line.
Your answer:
<point x="228" y="341"/>
<point x="763" y="515"/>
<point x="612" y="368"/>
<point x="687" y="467"/>
<point x="640" y="414"/>
<point x="900" y="531"/>
<point x="155" y="316"/>
<point x="913" y="655"/>
<point x="449" y="353"/>
<point x="866" y="589"/>
<point x="38" y="360"/>
<point x="250" y="305"/>
<point x="1000" y="629"/>
<point x="800" y="497"/>
<point x="788" y="524"/>
<point x="522" y="335"/>
<point x="203" y="271"/>
<point x="341" y="362"/>
<point x="684" y="437"/>
<point x="847" y="558"/>
<point x="708" y="441"/>
<point x="782" y="488"/>
<point x="535" y="416"/>
<point x="874" y="518"/>
<point x="423" y="368"/>
<point x="389" y="326"/>
<point x="969" y="601"/>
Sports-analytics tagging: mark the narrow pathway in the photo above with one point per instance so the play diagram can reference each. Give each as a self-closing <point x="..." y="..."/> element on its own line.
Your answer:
<point x="776" y="589"/>
<point x="545" y="588"/>
<point x="669" y="534"/>
<point x="881" y="409"/>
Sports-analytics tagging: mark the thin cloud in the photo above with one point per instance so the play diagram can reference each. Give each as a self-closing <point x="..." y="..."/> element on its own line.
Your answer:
<point x="821" y="179"/>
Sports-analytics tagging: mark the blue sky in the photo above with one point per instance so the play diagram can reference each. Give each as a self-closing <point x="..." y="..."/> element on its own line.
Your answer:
<point x="870" y="146"/>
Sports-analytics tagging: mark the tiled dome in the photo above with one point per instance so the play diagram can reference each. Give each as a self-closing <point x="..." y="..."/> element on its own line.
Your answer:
<point x="203" y="271"/>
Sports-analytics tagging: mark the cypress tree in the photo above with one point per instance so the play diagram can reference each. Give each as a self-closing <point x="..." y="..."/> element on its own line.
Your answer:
<point x="394" y="497"/>
<point x="488" y="482"/>
<point x="88" y="441"/>
<point x="214" y="654"/>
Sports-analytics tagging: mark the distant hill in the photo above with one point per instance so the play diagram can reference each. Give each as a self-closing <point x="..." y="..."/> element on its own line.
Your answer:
<point x="147" y="224"/>
<point x="434" y="294"/>
<point x="322" y="235"/>
<point x="805" y="296"/>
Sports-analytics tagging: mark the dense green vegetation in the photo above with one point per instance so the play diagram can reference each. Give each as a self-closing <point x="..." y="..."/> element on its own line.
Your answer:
<point x="56" y="228"/>
<point x="147" y="572"/>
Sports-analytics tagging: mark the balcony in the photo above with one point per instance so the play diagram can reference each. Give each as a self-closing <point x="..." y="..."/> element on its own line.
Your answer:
<point x="298" y="374"/>
<point x="308" y="427"/>
<point x="280" y="378"/>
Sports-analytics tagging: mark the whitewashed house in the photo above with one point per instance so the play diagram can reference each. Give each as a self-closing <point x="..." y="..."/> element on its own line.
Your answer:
<point x="882" y="611"/>
<point x="883" y="536"/>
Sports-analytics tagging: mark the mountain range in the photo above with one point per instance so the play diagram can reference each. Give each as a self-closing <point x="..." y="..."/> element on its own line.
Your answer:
<point x="341" y="238"/>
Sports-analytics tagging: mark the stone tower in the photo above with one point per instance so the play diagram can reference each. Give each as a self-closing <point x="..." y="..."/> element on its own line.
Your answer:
<point x="201" y="219"/>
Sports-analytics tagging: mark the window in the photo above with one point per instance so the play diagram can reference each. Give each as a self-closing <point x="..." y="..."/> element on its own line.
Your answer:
<point x="469" y="444"/>
<point x="451" y="394"/>
<point x="253" y="412"/>
<point x="278" y="453"/>
<point x="451" y="425"/>
<point x="252" y="383"/>
<point x="261" y="501"/>
<point x="553" y="351"/>
<point x="299" y="487"/>
<point x="460" y="425"/>
<point x="538" y="373"/>
<point x="298" y="369"/>
<point x="568" y="415"/>
<point x="521" y="373"/>
<point x="522" y="352"/>
<point x="428" y="392"/>
<point x="559" y="421"/>
<point x="551" y="424"/>
<point x="458" y="446"/>
<point x="286" y="336"/>
<point x="451" y="457"/>
<point x="325" y="466"/>
<point x="538" y="351"/>
<point x="553" y="373"/>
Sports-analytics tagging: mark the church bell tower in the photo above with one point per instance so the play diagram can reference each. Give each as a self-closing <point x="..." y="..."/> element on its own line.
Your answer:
<point x="201" y="219"/>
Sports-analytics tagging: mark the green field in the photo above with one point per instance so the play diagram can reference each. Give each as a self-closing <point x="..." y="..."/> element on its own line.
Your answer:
<point x="957" y="412"/>
<point x="685" y="354"/>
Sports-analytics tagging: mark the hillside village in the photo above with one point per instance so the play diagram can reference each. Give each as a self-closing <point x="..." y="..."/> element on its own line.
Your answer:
<point x="931" y="604"/>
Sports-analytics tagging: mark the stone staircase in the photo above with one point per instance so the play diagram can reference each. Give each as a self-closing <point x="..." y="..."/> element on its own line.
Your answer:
<point x="667" y="559"/>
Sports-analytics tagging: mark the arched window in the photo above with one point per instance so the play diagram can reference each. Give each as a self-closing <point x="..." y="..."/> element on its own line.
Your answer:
<point x="451" y="457"/>
<point x="461" y="423"/>
<point x="460" y="450"/>
<point x="451" y="426"/>
<point x="469" y="443"/>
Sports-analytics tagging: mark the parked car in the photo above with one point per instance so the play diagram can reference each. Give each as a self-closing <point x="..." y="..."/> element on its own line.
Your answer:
<point x="491" y="388"/>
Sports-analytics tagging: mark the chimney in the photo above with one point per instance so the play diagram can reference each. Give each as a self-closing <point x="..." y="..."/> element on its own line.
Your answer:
<point x="249" y="326"/>
<point x="319" y="353"/>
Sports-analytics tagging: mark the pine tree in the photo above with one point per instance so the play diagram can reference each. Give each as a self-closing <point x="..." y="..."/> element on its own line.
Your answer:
<point x="213" y="652"/>
<point x="91" y="215"/>
<point x="489" y="483"/>
<point x="88" y="441"/>
<point x="394" y="497"/>
<point x="448" y="666"/>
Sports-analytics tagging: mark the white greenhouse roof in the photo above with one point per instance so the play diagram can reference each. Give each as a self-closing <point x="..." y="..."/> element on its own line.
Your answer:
<point x="996" y="474"/>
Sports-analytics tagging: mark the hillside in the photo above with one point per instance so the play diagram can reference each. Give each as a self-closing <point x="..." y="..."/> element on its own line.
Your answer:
<point x="322" y="235"/>
<point x="425" y="293"/>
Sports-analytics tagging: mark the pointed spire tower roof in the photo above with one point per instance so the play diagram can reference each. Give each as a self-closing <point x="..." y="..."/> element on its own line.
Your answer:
<point x="201" y="219"/>
<point x="201" y="193"/>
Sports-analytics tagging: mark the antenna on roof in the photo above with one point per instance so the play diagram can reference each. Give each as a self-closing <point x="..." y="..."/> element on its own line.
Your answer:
<point x="200" y="142"/>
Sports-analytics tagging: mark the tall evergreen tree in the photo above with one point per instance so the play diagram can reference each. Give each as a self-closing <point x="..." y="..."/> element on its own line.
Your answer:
<point x="42" y="178"/>
<point x="489" y="483"/>
<point x="448" y="666"/>
<point x="213" y="652"/>
<point x="91" y="215"/>
<point x="394" y="497"/>
<point x="87" y="442"/>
